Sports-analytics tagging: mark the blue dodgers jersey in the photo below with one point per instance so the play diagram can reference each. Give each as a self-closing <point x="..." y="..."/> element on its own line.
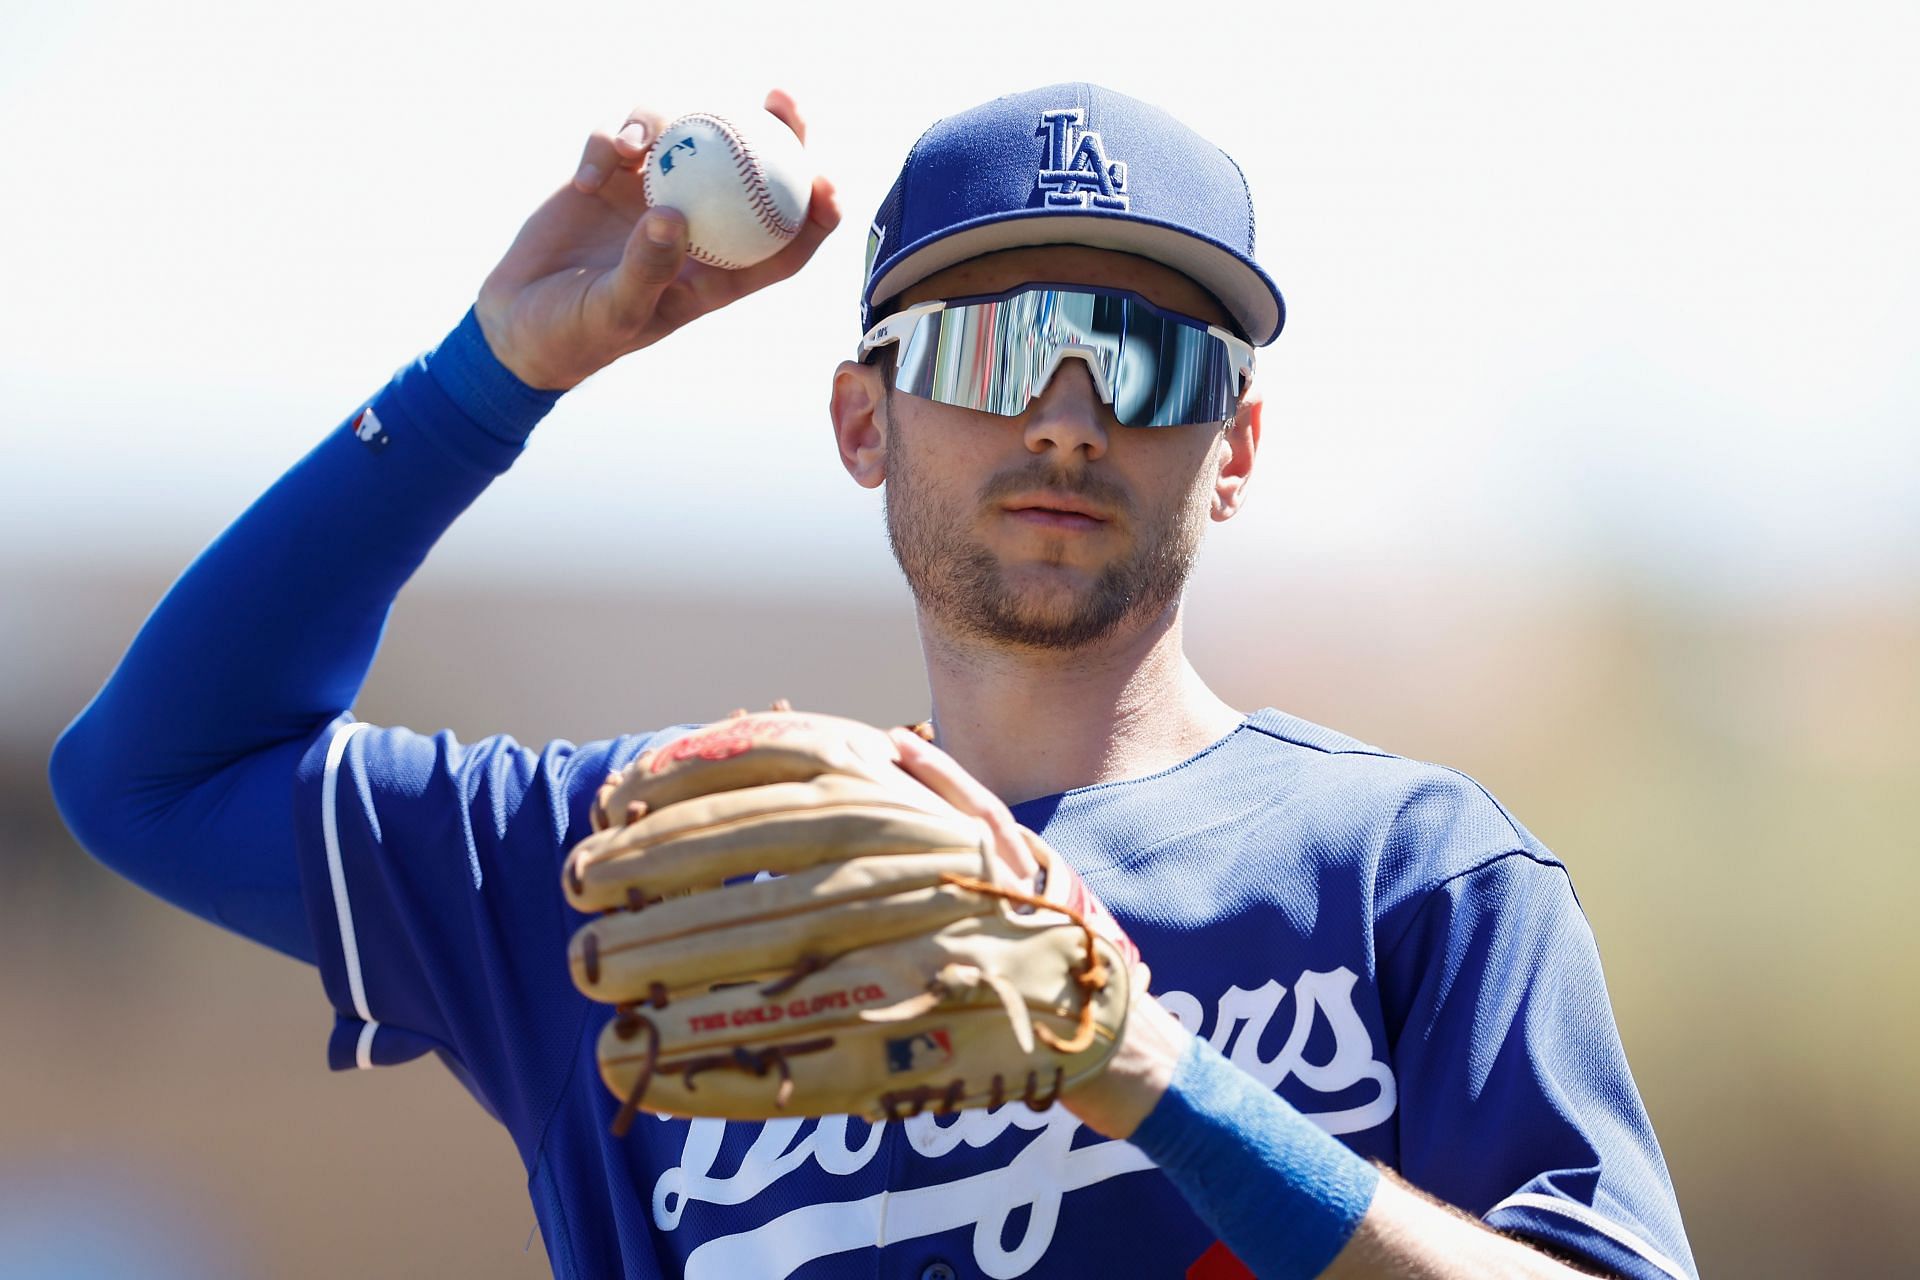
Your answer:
<point x="1375" y="939"/>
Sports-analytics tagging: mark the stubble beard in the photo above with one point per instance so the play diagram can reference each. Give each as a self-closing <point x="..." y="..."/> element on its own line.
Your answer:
<point x="962" y="584"/>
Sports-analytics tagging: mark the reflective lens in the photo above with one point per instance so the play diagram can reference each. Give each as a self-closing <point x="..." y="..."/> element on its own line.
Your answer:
<point x="1155" y="368"/>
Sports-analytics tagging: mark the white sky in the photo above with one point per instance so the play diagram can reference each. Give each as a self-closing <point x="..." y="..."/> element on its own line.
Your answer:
<point x="1630" y="289"/>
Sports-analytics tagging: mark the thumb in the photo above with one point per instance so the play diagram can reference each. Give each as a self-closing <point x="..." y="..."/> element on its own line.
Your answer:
<point x="649" y="263"/>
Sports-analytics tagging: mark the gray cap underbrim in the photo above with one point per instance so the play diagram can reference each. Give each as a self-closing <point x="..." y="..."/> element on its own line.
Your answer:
<point x="1242" y="288"/>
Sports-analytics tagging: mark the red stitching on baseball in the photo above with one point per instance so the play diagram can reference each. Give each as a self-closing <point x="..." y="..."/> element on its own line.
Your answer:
<point x="747" y="165"/>
<point x="713" y="259"/>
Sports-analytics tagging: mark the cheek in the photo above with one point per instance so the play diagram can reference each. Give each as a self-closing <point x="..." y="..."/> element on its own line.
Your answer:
<point x="1173" y="473"/>
<point x="949" y="462"/>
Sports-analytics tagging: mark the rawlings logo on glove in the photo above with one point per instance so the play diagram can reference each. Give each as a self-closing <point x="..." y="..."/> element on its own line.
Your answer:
<point x="911" y="952"/>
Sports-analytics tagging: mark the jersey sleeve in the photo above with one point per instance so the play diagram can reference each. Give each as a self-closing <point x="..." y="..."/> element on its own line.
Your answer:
<point x="1516" y="1102"/>
<point x="431" y="872"/>
<point x="175" y="774"/>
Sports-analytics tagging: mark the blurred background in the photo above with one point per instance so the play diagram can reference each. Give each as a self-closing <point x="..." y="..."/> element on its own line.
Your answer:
<point x="1593" y="469"/>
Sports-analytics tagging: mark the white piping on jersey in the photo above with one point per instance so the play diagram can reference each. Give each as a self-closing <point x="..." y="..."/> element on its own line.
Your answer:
<point x="1588" y="1218"/>
<point x="337" y="873"/>
<point x="363" y="1047"/>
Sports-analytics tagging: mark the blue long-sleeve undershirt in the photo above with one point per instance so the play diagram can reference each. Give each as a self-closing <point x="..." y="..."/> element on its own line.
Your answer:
<point x="179" y="773"/>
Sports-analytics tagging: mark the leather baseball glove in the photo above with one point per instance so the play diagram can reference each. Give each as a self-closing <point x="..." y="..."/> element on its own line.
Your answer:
<point x="794" y="925"/>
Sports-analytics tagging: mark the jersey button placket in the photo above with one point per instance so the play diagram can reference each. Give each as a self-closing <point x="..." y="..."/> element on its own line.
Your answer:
<point x="938" y="1270"/>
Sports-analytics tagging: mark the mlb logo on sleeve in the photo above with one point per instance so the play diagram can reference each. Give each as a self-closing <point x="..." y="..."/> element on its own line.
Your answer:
<point x="367" y="429"/>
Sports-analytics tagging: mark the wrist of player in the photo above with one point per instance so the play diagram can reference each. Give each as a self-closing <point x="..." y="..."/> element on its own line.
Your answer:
<point x="1138" y="1075"/>
<point x="495" y="398"/>
<point x="493" y="315"/>
<point x="547" y="343"/>
<point x="1283" y="1194"/>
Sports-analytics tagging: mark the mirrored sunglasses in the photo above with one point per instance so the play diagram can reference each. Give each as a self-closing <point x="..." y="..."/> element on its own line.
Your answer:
<point x="996" y="353"/>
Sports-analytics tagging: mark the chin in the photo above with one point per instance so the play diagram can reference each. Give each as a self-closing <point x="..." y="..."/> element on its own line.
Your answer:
<point x="1053" y="616"/>
<point x="1047" y="593"/>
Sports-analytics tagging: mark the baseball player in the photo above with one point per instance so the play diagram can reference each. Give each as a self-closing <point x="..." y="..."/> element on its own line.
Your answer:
<point x="1374" y="1039"/>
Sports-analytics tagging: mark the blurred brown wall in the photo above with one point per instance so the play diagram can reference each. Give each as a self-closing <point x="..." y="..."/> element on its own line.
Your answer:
<point x="1733" y="789"/>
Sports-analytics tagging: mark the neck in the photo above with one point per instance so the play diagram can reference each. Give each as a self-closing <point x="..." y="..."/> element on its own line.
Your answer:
<point x="1031" y="723"/>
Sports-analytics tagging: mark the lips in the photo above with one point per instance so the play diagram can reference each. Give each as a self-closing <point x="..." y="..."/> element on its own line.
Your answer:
<point x="1067" y="509"/>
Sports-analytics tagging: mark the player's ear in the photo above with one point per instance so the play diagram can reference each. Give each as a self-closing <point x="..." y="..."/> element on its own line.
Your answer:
<point x="859" y="422"/>
<point x="1235" y="450"/>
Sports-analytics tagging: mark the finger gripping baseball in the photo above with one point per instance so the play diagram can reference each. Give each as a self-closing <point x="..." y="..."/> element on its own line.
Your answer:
<point x="892" y="964"/>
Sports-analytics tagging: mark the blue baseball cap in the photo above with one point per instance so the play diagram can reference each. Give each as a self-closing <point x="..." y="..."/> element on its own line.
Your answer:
<point x="1072" y="164"/>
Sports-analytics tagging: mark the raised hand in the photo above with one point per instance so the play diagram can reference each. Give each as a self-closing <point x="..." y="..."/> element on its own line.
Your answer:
<point x="595" y="273"/>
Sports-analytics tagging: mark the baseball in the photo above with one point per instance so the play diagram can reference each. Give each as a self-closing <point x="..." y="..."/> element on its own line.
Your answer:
<point x="741" y="179"/>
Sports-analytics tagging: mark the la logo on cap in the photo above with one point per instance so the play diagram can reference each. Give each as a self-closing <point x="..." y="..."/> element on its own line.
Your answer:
<point x="1075" y="172"/>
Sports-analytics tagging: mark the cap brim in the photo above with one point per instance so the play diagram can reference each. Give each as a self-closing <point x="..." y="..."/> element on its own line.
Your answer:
<point x="1242" y="287"/>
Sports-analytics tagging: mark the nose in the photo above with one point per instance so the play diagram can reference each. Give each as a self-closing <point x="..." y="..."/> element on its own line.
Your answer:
<point x="1069" y="414"/>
